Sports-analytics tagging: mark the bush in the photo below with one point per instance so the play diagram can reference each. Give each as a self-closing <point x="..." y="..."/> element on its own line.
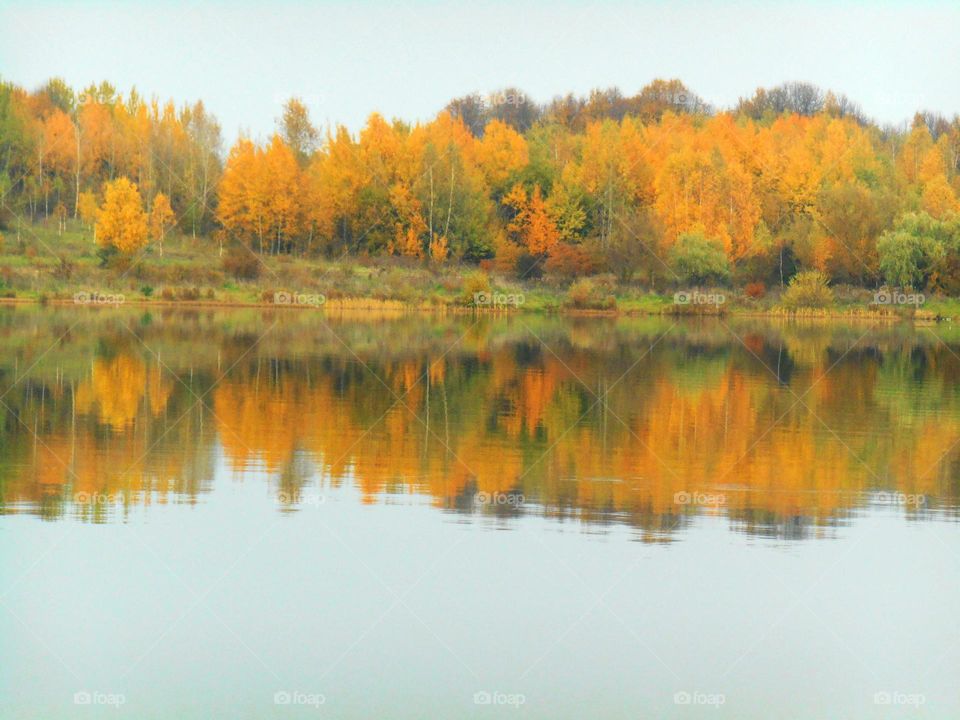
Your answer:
<point x="569" y="261"/>
<point x="529" y="267"/>
<point x="242" y="263"/>
<point x="107" y="255"/>
<point x="755" y="290"/>
<point x="478" y="282"/>
<point x="698" y="260"/>
<point x="64" y="270"/>
<point x="586" y="294"/>
<point x="146" y="290"/>
<point x="808" y="289"/>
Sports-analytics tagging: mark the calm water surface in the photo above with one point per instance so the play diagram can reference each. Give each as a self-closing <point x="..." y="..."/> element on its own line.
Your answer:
<point x="252" y="514"/>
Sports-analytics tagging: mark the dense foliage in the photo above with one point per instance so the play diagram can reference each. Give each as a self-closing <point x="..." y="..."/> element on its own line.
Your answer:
<point x="791" y="179"/>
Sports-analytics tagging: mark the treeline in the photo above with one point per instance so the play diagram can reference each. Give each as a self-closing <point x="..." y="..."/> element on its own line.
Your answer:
<point x="58" y="147"/>
<point x="656" y="186"/>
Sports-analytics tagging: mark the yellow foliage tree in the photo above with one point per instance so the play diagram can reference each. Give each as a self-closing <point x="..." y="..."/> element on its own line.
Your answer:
<point x="121" y="222"/>
<point x="87" y="208"/>
<point x="532" y="225"/>
<point x="161" y="217"/>
<point x="501" y="153"/>
<point x="938" y="197"/>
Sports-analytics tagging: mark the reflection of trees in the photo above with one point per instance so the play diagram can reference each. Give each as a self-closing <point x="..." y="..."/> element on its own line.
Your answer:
<point x="598" y="428"/>
<point x="115" y="430"/>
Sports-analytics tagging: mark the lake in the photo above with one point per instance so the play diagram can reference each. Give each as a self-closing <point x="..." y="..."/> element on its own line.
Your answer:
<point x="249" y="514"/>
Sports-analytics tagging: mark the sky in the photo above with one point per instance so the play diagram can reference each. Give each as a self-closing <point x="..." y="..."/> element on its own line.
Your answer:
<point x="408" y="59"/>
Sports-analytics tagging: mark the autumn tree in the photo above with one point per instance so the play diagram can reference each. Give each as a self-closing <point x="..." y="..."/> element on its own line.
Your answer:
<point x="87" y="208"/>
<point x="121" y="221"/>
<point x="297" y="131"/>
<point x="161" y="218"/>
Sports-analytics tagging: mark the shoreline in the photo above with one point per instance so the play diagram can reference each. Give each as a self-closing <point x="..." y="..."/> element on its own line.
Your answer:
<point x="373" y="304"/>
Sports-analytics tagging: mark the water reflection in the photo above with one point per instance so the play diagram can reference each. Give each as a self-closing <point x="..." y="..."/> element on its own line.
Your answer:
<point x="786" y="430"/>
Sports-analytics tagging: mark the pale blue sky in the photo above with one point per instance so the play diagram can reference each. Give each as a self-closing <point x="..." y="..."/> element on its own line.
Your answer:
<point x="407" y="59"/>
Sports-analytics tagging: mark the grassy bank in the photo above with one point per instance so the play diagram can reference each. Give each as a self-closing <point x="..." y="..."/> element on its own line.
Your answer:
<point x="40" y="264"/>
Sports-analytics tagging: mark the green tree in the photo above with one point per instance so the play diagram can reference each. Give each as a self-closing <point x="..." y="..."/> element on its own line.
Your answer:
<point x="908" y="255"/>
<point x="699" y="260"/>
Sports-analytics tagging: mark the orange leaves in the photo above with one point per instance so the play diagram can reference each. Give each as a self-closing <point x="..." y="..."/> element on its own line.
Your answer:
<point x="161" y="216"/>
<point x="706" y="183"/>
<point x="87" y="208"/>
<point x="501" y="153"/>
<point x="281" y="178"/>
<point x="260" y="193"/>
<point x="240" y="209"/>
<point x="540" y="234"/>
<point x="939" y="199"/>
<point x="531" y="225"/>
<point x="122" y="222"/>
<point x="59" y="142"/>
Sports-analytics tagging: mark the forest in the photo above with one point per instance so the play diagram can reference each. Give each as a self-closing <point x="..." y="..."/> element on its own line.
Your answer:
<point x="658" y="188"/>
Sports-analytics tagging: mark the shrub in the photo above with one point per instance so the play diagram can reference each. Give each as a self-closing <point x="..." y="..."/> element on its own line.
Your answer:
<point x="478" y="282"/>
<point x="585" y="294"/>
<point x="529" y="267"/>
<point x="755" y="290"/>
<point x="242" y="263"/>
<point x="506" y="257"/>
<point x="807" y="289"/>
<point x="64" y="270"/>
<point x="106" y="255"/>
<point x="698" y="260"/>
<point x="570" y="261"/>
<point x="146" y="290"/>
